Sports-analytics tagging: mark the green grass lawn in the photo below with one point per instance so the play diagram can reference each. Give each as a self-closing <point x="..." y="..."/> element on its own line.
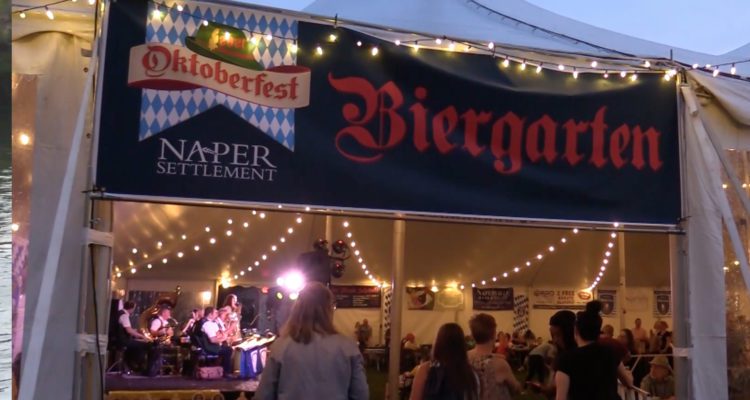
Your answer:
<point x="377" y="381"/>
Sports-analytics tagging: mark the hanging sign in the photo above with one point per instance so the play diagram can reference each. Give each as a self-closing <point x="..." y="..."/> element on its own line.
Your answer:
<point x="356" y="296"/>
<point x="662" y="303"/>
<point x="607" y="297"/>
<point x="493" y="299"/>
<point x="420" y="298"/>
<point x="227" y="103"/>
<point x="560" y="299"/>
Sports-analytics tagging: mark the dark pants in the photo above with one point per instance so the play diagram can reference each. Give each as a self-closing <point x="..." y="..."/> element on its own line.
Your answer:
<point x="225" y="352"/>
<point x="537" y="368"/>
<point x="136" y="351"/>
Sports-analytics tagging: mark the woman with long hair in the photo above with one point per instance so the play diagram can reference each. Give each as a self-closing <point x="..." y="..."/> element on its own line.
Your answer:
<point x="449" y="375"/>
<point x="591" y="370"/>
<point x="311" y="360"/>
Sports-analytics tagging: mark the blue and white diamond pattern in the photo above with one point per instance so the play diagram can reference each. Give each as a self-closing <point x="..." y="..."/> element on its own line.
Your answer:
<point x="162" y="109"/>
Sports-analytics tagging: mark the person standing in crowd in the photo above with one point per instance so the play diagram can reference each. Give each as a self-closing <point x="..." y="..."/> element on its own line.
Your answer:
<point x="561" y="330"/>
<point x="638" y="369"/>
<point x="607" y="338"/>
<point x="640" y="336"/>
<point x="449" y="375"/>
<point x="363" y="332"/>
<point x="495" y="375"/>
<point x="539" y="358"/>
<point x="216" y="338"/>
<point x="659" y="383"/>
<point x="311" y="360"/>
<point x="502" y="344"/>
<point x="409" y="342"/>
<point x="590" y="371"/>
<point x="658" y="339"/>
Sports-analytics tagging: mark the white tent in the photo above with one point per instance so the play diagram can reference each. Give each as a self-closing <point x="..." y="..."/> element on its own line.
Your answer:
<point x="712" y="107"/>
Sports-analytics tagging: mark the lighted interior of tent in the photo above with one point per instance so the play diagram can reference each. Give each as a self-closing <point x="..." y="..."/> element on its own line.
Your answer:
<point x="210" y="252"/>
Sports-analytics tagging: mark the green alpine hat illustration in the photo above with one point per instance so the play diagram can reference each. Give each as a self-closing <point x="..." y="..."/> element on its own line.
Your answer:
<point x="223" y="43"/>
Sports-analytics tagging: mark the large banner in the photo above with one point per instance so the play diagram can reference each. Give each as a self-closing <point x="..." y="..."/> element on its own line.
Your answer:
<point x="560" y="299"/>
<point x="356" y="296"/>
<point x="211" y="102"/>
<point x="493" y="299"/>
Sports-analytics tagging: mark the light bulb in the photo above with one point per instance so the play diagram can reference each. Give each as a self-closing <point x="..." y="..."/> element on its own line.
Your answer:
<point x="263" y="215"/>
<point x="506" y="62"/>
<point x="49" y="14"/>
<point x="180" y="254"/>
<point x="551" y="248"/>
<point x="416" y="48"/>
<point x="282" y="240"/>
<point x="539" y="68"/>
<point x="494" y="279"/>
<point x="273" y="248"/>
<point x="647" y="64"/>
<point x="398" y="42"/>
<point x="505" y="274"/>
<point x="227" y="35"/>
<point x="359" y="43"/>
<point x="491" y="45"/>
<point x="332" y="38"/>
<point x="299" y="220"/>
<point x="269" y="37"/>
<point x="561" y="67"/>
<point x="229" y="233"/>
<point x="135" y="251"/>
<point x="290" y="230"/>
<point x="149" y="266"/>
<point x="229" y="221"/>
<point x="212" y="241"/>
<point x="257" y="263"/>
<point x="374" y="51"/>
<point x="733" y="70"/>
<point x="563" y="240"/>
<point x="539" y="256"/>
<point x="253" y="40"/>
<point x="523" y="66"/>
<point x="345" y="224"/>
<point x="594" y="64"/>
<point x="179" y="7"/>
<point x="451" y="46"/>
<point x="634" y="77"/>
<point x="242" y="273"/>
<point x="245" y="225"/>
<point x="294" y="48"/>
<point x="164" y="260"/>
<point x="439" y="41"/>
<point x="606" y="74"/>
<point x="716" y="72"/>
<point x="516" y="269"/>
<point x="319" y="51"/>
<point x="22" y="15"/>
<point x="184" y="237"/>
<point x="575" y="74"/>
<point x="695" y="65"/>
<point x="623" y="74"/>
<point x="14" y="227"/>
<point x="575" y="231"/>
<point x="208" y="229"/>
<point x="196" y="247"/>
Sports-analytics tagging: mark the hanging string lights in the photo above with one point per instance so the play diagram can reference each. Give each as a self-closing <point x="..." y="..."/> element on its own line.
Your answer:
<point x="179" y="252"/>
<point x="359" y="257"/>
<point x="608" y="251"/>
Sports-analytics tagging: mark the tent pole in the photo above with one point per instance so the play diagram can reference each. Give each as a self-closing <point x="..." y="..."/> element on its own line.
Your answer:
<point x="397" y="294"/>
<point x="622" y="285"/>
<point x="681" y="311"/>
<point x="32" y="360"/>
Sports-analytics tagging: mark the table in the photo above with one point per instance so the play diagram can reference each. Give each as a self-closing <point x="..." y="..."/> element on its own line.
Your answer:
<point x="376" y="354"/>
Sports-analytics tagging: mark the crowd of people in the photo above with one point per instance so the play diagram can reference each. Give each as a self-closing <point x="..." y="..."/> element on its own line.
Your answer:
<point x="582" y="361"/>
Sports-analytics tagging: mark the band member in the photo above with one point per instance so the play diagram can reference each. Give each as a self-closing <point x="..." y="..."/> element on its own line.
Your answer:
<point x="160" y="328"/>
<point x="216" y="338"/>
<point x="231" y="325"/>
<point x="196" y="316"/>
<point x="136" y="344"/>
<point x="235" y="308"/>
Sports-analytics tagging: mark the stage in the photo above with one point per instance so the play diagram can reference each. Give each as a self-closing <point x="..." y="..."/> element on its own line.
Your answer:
<point x="130" y="387"/>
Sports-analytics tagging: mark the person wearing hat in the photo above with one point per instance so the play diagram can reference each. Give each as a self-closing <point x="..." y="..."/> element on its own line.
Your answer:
<point x="659" y="383"/>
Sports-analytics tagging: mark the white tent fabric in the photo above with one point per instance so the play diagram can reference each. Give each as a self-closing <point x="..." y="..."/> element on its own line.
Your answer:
<point x="724" y="110"/>
<point x="511" y="23"/>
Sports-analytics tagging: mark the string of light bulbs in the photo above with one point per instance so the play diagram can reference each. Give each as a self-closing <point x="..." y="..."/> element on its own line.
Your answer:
<point x="273" y="248"/>
<point x="490" y="48"/>
<point x="46" y="7"/>
<point x="164" y="258"/>
<point x="537" y="258"/>
<point x="605" y="261"/>
<point x="359" y="256"/>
